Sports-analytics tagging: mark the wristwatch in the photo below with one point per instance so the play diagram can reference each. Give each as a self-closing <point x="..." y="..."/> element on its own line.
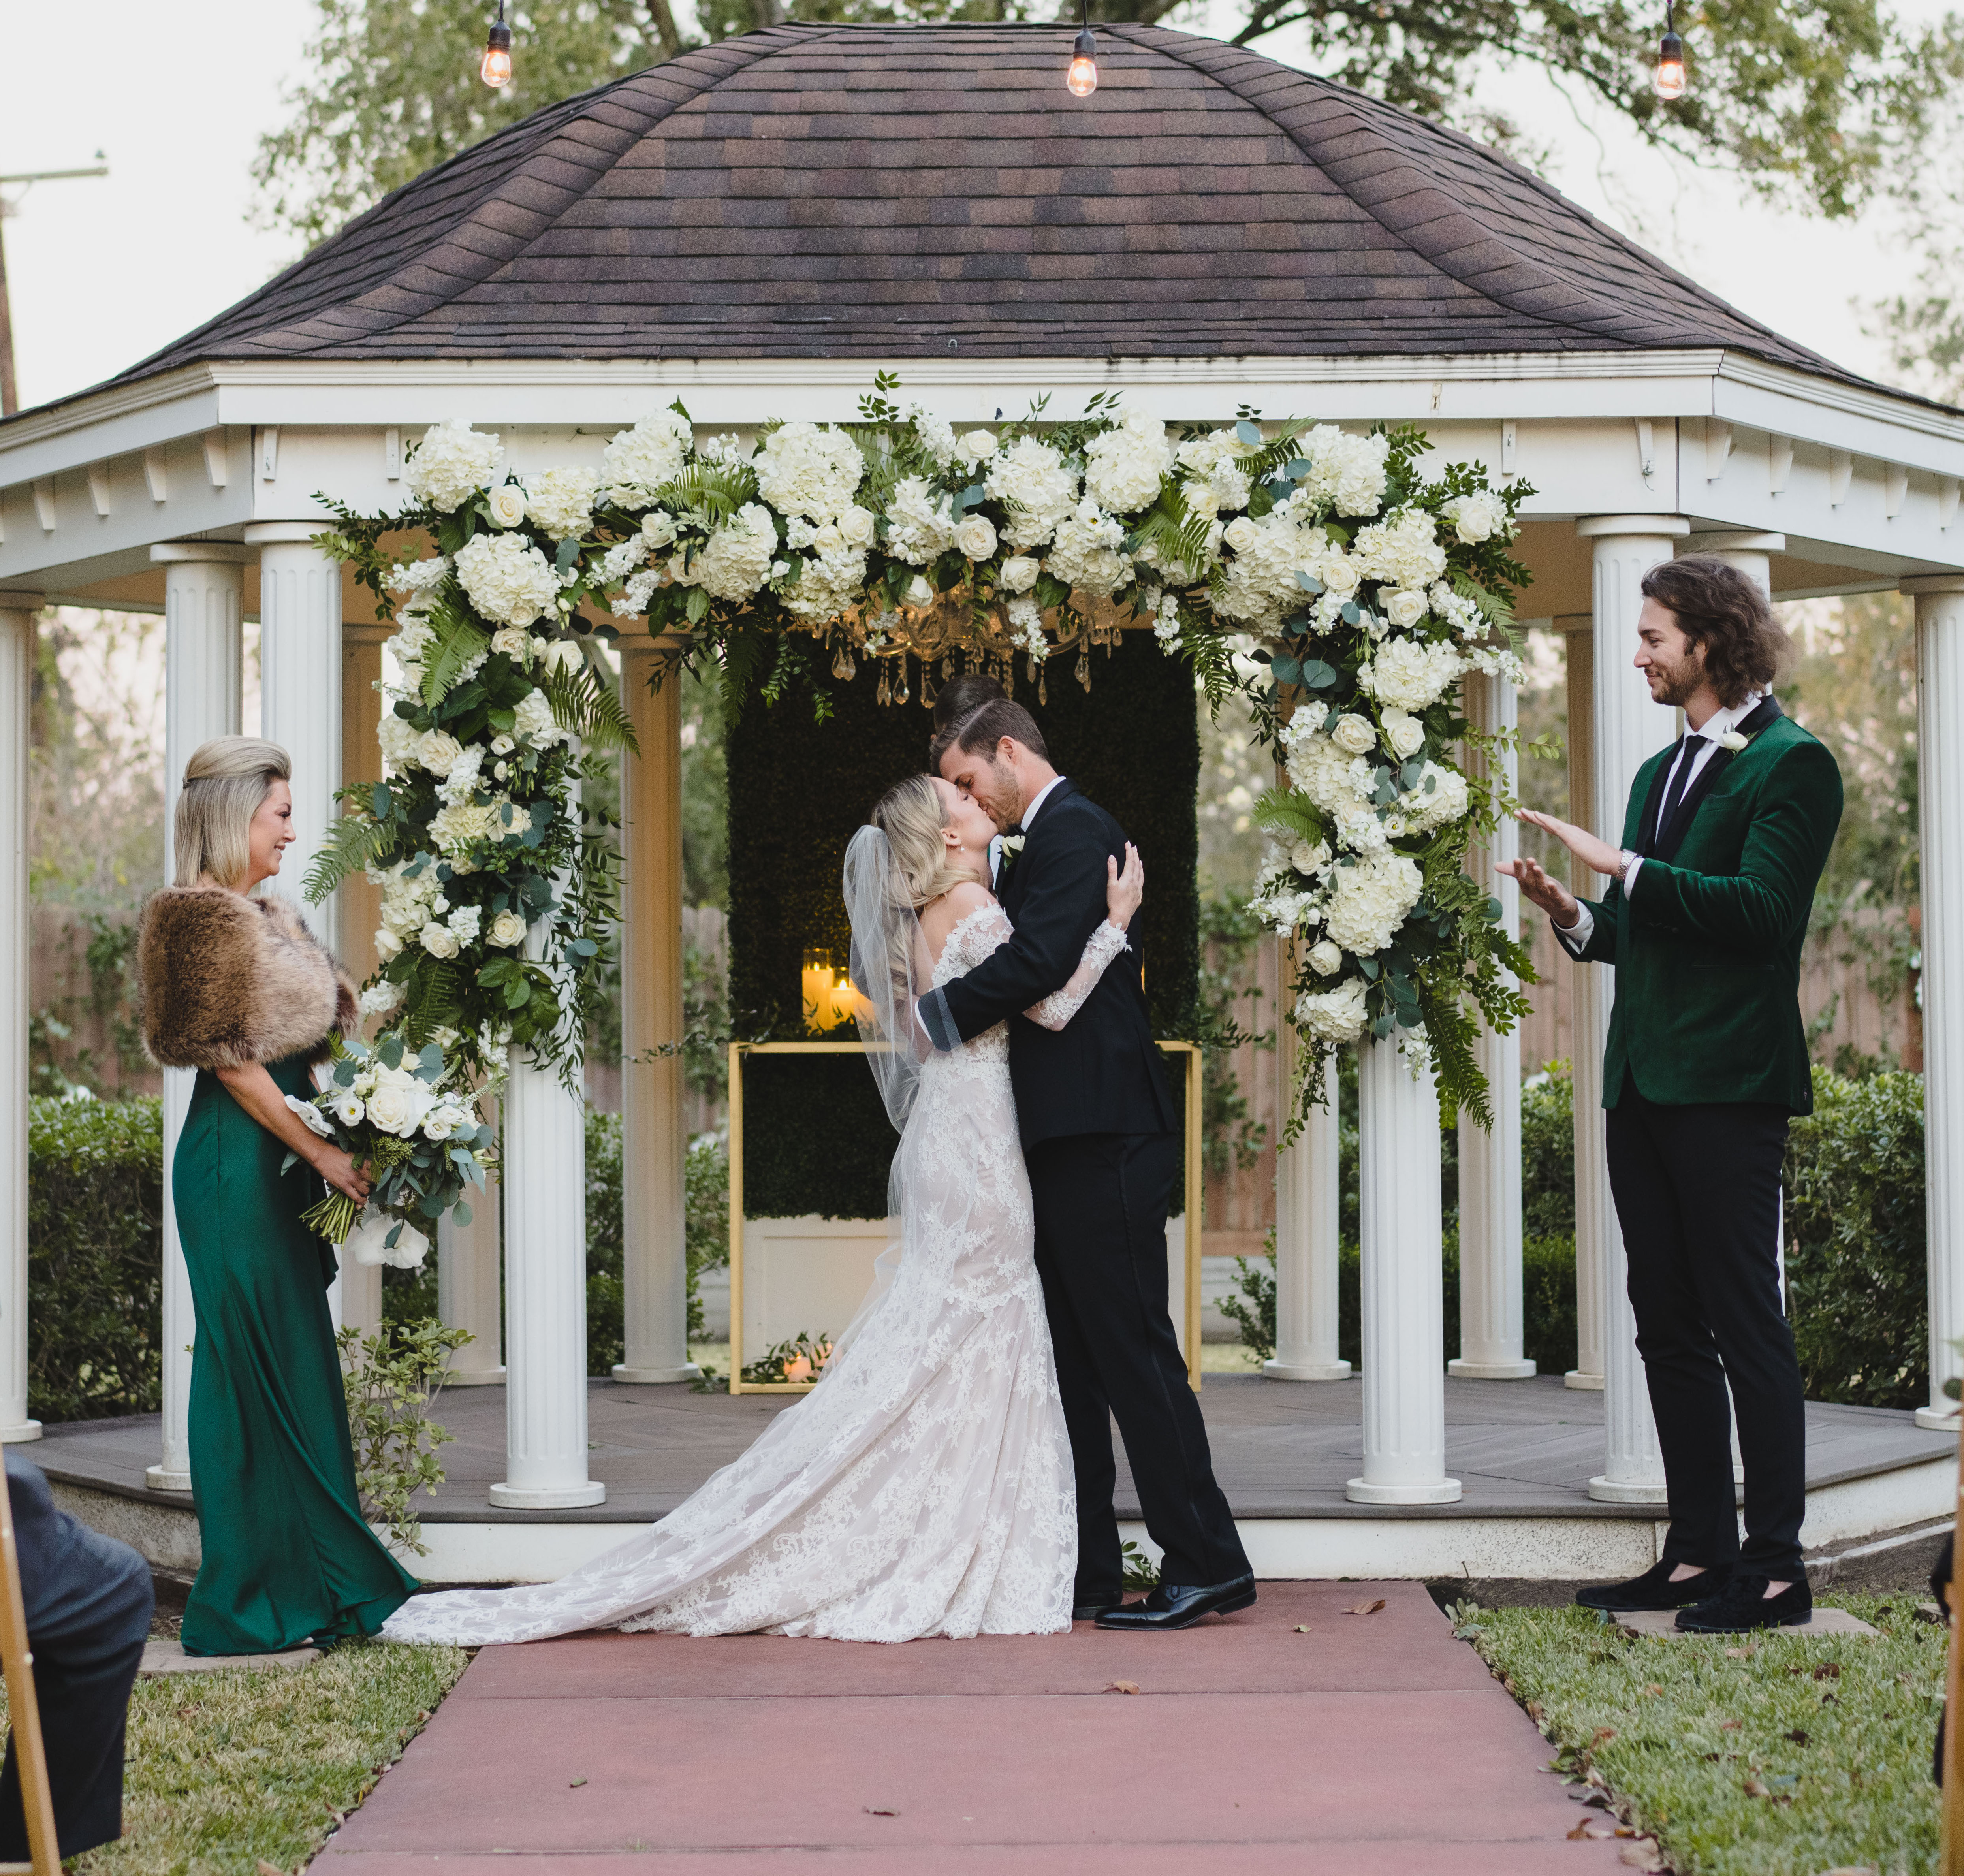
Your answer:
<point x="1624" y="859"/>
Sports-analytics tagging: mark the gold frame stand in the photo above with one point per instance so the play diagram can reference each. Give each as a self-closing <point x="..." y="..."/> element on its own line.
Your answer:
<point x="739" y="1050"/>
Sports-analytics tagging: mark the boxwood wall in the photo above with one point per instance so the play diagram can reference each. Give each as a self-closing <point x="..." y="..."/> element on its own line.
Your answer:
<point x="816" y="1138"/>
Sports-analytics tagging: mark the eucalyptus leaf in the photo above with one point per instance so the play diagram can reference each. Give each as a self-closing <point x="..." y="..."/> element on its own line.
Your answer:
<point x="1249" y="433"/>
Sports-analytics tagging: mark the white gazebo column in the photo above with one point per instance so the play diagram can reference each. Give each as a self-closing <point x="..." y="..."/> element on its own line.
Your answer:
<point x="1628" y="730"/>
<point x="1489" y="1157"/>
<point x="1751" y="554"/>
<point x="1306" y="1225"/>
<point x="203" y="586"/>
<point x="16" y="677"/>
<point x="1400" y="1221"/>
<point x="468" y="1286"/>
<point x="654" y="1264"/>
<point x="1939" y="725"/>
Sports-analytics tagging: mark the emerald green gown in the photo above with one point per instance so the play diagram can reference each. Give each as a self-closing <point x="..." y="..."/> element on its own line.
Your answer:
<point x="288" y="1554"/>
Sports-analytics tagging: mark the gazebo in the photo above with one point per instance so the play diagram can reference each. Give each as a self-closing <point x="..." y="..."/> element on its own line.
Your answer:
<point x="756" y="228"/>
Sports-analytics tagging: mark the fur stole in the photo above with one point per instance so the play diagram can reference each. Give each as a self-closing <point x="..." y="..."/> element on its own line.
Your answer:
<point x="227" y="981"/>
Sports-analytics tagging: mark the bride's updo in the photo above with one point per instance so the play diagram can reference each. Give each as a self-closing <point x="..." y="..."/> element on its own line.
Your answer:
<point x="909" y="815"/>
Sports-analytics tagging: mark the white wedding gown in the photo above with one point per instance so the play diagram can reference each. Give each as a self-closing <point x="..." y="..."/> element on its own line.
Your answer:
<point x="924" y="1486"/>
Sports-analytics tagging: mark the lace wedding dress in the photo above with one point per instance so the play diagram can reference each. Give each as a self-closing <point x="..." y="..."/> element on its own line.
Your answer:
<point x="924" y="1487"/>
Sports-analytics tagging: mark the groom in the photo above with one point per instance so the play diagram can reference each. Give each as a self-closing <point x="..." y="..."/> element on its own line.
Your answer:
<point x="1099" y="1133"/>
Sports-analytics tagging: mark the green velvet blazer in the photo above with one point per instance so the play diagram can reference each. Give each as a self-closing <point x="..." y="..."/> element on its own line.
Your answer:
<point x="1706" y="945"/>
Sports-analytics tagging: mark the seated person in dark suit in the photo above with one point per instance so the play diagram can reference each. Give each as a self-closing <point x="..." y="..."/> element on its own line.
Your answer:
<point x="88" y="1600"/>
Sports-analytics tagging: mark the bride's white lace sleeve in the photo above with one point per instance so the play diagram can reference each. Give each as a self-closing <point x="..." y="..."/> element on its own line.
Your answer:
<point x="1061" y="1005"/>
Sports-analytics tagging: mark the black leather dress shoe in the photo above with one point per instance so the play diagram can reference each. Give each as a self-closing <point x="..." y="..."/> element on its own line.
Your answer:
<point x="1744" y="1604"/>
<point x="1654" y="1590"/>
<point x="1090" y="1612"/>
<point x="1171" y="1606"/>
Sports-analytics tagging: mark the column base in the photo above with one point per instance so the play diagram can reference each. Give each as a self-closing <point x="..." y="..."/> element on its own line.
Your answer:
<point x="474" y="1377"/>
<point x="1461" y="1371"/>
<point x="1937" y="1419"/>
<point x="546" y="1498"/>
<point x="688" y="1371"/>
<point x="1577" y="1377"/>
<point x="161" y="1479"/>
<point x="1607" y="1491"/>
<point x="1445" y="1491"/>
<point x="20" y="1434"/>
<point x="1306" y="1370"/>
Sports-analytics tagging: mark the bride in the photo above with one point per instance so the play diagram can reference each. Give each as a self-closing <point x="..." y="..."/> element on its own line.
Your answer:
<point x="924" y="1487"/>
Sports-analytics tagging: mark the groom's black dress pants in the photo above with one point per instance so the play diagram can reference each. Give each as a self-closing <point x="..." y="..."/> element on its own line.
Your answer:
<point x="1101" y="1213"/>
<point x="1698" y="1195"/>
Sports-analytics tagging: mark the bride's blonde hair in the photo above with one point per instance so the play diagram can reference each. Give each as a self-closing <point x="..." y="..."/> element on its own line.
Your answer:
<point x="909" y="815"/>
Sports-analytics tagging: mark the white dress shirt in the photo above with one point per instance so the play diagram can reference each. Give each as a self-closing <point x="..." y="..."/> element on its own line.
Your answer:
<point x="1699" y="745"/>
<point x="1029" y="814"/>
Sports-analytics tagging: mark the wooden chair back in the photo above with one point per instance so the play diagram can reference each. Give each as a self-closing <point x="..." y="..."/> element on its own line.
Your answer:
<point x="17" y="1661"/>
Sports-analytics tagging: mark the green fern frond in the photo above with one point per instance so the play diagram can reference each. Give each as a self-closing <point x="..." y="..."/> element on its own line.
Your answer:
<point x="354" y="844"/>
<point x="459" y="638"/>
<point x="589" y="709"/>
<point x="714" y="490"/>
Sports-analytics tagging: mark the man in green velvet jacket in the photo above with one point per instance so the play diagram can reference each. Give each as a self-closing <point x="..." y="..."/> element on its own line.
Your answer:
<point x="1724" y="841"/>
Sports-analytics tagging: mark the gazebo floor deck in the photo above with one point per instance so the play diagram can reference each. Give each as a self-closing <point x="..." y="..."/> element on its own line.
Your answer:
<point x="1524" y="1452"/>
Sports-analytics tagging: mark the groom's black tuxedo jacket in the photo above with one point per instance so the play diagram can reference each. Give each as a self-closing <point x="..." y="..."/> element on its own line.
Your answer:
<point x="1100" y="1073"/>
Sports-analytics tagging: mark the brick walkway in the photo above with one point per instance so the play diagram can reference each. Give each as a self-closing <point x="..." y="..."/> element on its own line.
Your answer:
<point x="1377" y="1743"/>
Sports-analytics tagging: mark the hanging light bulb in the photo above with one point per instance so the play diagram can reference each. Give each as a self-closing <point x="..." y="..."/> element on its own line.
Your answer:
<point x="1082" y="80"/>
<point x="496" y="69"/>
<point x="1669" y="78"/>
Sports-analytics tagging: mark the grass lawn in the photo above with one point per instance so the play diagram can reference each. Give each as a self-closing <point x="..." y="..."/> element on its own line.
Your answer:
<point x="226" y="1770"/>
<point x="1747" y="1755"/>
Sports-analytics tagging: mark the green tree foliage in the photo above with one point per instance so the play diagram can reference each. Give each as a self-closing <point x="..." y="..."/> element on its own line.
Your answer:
<point x="1810" y="100"/>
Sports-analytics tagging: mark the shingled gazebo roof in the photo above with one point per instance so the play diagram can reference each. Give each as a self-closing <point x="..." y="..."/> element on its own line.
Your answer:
<point x="813" y="192"/>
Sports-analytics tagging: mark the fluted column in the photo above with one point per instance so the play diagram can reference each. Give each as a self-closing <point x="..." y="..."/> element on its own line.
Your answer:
<point x="1490" y="1329"/>
<point x="203" y="586"/>
<point x="654" y="1260"/>
<point x="17" y="674"/>
<point x="468" y="1287"/>
<point x="1939" y="736"/>
<point x="1400" y="1221"/>
<point x="1589" y="1023"/>
<point x="1629" y="729"/>
<point x="1306" y="1224"/>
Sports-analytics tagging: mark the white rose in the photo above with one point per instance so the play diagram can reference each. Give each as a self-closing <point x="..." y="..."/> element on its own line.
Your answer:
<point x="1340" y="574"/>
<point x="386" y="943"/>
<point x="1354" y="735"/>
<point x="437" y="751"/>
<point x="501" y="745"/>
<point x="442" y="1121"/>
<point x="507" y="505"/>
<point x="1405" y="609"/>
<point x="1241" y="535"/>
<point x="977" y="446"/>
<point x="514" y="643"/>
<point x="1476" y="517"/>
<point x="1325" y="959"/>
<point x="658" y="528"/>
<point x="438" y="940"/>
<point x="507" y="929"/>
<point x="855" y="526"/>
<point x="1306" y="858"/>
<point x="918" y="592"/>
<point x="1404" y="732"/>
<point x="1019" y="572"/>
<point x="976" y="537"/>
<point x="393" y="1109"/>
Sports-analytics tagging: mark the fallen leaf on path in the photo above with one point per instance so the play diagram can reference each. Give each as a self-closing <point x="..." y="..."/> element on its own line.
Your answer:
<point x="1828" y="1671"/>
<point x="1587" y="1831"/>
<point x="1655" y="1689"/>
<point x="1752" y="1789"/>
<point x="1729" y="1726"/>
<point x="1367" y="1608"/>
<point x="1743" y="1654"/>
<point x="1601" y="1737"/>
<point x="270" y="1869"/>
<point x="878" y="1810"/>
<point x="1643" y="1855"/>
<point x="575" y="1784"/>
<point x="1303" y="1628"/>
<point x="1122" y="1687"/>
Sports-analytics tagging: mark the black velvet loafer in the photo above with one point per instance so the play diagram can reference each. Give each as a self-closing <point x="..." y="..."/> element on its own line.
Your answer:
<point x="1654" y="1590"/>
<point x="1171" y="1606"/>
<point x="1744" y="1605"/>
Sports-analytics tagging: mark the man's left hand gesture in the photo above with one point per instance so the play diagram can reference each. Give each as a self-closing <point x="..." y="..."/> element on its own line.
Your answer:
<point x="1598" y="854"/>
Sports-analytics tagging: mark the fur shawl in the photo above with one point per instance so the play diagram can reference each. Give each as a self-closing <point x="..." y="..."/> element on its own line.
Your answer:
<point x="228" y="981"/>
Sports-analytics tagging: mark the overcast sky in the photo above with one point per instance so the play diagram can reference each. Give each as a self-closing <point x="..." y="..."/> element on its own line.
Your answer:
<point x="104" y="272"/>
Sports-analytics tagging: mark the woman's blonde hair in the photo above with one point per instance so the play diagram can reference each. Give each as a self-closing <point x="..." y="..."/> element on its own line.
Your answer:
<point x="909" y="815"/>
<point x="225" y="782"/>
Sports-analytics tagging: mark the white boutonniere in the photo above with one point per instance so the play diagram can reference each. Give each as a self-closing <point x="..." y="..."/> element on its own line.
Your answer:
<point x="1013" y="845"/>
<point x="1733" y="740"/>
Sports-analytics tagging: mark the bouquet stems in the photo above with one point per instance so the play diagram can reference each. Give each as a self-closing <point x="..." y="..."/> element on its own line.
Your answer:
<point x="333" y="1217"/>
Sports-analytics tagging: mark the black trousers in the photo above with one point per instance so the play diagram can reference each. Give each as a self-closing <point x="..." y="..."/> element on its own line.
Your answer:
<point x="88" y="1600"/>
<point x="1101" y="1213"/>
<point x="1698" y="1195"/>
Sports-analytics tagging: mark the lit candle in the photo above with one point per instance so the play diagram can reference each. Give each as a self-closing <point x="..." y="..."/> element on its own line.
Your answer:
<point x="816" y="981"/>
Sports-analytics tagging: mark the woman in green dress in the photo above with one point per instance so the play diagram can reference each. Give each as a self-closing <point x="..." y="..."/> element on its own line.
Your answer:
<point x="236" y="988"/>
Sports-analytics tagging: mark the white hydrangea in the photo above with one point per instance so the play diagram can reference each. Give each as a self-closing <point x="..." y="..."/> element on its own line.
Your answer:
<point x="1348" y="472"/>
<point x="1477" y="517"/>
<point x="1318" y="767"/>
<point x="532" y="721"/>
<point x="1409" y="674"/>
<point x="1467" y="620"/>
<point x="560" y="501"/>
<point x="383" y="999"/>
<point x="507" y="579"/>
<point x="461" y="825"/>
<point x="1334" y="1015"/>
<point x="1030" y="479"/>
<point x="1402" y="551"/>
<point x="1085" y="553"/>
<point x="1259" y="587"/>
<point x="737" y="561"/>
<point x="936" y="434"/>
<point x="1372" y="899"/>
<point x="418" y="579"/>
<point x="833" y="580"/>
<point x="398" y="737"/>
<point x="920" y="527"/>
<point x="461" y="780"/>
<point x="649" y="456"/>
<point x="1439" y="796"/>
<point x="1123" y="465"/>
<point x="1214" y="481"/>
<point x="803" y="469"/>
<point x="451" y="464"/>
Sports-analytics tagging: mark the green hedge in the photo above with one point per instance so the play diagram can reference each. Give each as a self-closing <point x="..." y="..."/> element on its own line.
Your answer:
<point x="816" y="1138"/>
<point x="94" y="1253"/>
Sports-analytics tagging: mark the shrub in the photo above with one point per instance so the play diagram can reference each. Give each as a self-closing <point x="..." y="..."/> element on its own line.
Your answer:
<point x="94" y="1256"/>
<point x="1857" y="1278"/>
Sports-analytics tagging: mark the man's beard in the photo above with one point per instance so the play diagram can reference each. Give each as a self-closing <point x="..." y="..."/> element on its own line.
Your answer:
<point x="1003" y="803"/>
<point x="1677" y="684"/>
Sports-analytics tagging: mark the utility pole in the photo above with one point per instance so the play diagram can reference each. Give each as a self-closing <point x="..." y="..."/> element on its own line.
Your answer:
<point x="9" y="400"/>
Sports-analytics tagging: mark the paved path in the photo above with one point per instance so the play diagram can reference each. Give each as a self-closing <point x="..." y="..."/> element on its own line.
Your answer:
<point x="1376" y="1745"/>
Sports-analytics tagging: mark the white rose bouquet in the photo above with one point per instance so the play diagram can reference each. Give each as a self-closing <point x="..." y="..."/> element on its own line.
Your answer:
<point x="407" y="1120"/>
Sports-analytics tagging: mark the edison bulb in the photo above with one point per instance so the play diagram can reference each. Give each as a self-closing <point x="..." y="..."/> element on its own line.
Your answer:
<point x="1083" y="79"/>
<point x="1669" y="78"/>
<point x="496" y="69"/>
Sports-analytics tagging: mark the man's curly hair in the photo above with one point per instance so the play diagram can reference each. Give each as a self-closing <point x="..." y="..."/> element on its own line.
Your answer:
<point x="1717" y="606"/>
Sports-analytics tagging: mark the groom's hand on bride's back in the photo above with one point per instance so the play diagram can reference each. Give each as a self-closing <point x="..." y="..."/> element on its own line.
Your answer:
<point x="1124" y="887"/>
